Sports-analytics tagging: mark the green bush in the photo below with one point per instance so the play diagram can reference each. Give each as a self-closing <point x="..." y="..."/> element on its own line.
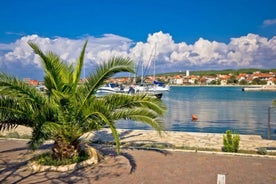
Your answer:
<point x="231" y="142"/>
<point x="262" y="151"/>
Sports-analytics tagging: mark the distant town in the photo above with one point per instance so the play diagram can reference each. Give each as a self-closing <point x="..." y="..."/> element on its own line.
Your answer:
<point x="193" y="78"/>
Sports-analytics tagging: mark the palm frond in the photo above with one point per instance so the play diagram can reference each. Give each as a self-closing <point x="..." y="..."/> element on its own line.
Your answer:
<point x="79" y="66"/>
<point x="105" y="71"/>
<point x="38" y="137"/>
<point x="140" y="114"/>
<point x="18" y="102"/>
<point x="15" y="88"/>
<point x="12" y="113"/>
<point x="57" y="73"/>
<point x="113" y="130"/>
<point x="138" y="100"/>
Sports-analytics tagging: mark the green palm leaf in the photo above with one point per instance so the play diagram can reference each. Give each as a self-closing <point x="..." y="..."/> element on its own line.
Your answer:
<point x="105" y="71"/>
<point x="79" y="66"/>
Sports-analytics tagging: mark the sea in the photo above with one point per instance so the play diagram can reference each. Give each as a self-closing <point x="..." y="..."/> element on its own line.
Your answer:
<point x="218" y="109"/>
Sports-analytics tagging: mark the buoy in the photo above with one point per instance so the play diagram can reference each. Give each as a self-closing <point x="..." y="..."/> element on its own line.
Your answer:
<point x="194" y="117"/>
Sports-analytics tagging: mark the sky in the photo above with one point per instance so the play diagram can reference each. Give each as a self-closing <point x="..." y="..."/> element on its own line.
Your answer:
<point x="174" y="35"/>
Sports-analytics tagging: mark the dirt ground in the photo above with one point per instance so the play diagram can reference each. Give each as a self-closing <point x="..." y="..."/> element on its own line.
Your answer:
<point x="141" y="167"/>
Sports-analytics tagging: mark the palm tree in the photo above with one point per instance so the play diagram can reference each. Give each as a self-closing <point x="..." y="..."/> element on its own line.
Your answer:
<point x="68" y="110"/>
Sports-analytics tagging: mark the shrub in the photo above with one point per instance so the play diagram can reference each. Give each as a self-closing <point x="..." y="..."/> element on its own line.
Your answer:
<point x="262" y="151"/>
<point x="231" y="142"/>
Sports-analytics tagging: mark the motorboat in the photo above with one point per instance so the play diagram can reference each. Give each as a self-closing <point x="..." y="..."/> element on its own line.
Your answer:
<point x="109" y="88"/>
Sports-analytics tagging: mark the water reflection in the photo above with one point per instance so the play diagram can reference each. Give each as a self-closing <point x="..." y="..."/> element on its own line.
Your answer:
<point x="217" y="109"/>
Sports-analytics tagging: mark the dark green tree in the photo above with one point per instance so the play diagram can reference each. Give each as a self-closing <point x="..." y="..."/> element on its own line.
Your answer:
<point x="243" y="82"/>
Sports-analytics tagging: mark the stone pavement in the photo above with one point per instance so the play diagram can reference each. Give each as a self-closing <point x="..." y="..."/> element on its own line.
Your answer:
<point x="182" y="139"/>
<point x="138" y="166"/>
<point x="172" y="139"/>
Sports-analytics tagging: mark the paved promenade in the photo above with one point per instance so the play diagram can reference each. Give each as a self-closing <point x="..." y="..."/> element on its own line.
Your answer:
<point x="138" y="166"/>
<point x="173" y="139"/>
<point x="141" y="167"/>
<point x="182" y="139"/>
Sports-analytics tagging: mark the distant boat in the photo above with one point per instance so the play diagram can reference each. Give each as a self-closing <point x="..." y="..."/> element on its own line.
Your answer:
<point x="260" y="88"/>
<point x="109" y="88"/>
<point x="159" y="87"/>
<point x="131" y="90"/>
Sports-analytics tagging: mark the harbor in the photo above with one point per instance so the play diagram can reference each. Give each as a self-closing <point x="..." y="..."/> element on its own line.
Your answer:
<point x="217" y="109"/>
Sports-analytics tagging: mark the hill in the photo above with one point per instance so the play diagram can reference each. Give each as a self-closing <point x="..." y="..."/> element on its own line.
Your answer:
<point x="215" y="72"/>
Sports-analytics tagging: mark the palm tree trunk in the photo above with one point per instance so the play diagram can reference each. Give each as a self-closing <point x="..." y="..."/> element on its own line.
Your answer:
<point x="62" y="150"/>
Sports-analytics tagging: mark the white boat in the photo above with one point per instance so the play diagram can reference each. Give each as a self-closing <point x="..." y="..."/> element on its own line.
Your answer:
<point x="109" y="88"/>
<point x="131" y="90"/>
<point x="260" y="88"/>
<point x="159" y="87"/>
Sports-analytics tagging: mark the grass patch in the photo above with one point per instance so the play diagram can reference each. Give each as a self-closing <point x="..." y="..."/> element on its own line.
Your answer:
<point x="148" y="145"/>
<point x="15" y="135"/>
<point x="195" y="148"/>
<point x="247" y="151"/>
<point x="271" y="153"/>
<point x="47" y="159"/>
<point x="170" y="146"/>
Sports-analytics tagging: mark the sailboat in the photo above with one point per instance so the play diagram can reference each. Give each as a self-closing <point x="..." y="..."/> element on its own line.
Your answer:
<point x="158" y="86"/>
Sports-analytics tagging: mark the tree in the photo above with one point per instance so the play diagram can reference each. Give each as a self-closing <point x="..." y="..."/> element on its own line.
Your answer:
<point x="232" y="80"/>
<point x="243" y="82"/>
<point x="259" y="81"/>
<point x="69" y="110"/>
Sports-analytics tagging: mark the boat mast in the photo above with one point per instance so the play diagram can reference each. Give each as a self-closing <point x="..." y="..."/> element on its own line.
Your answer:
<point x="154" y="62"/>
<point x="142" y="73"/>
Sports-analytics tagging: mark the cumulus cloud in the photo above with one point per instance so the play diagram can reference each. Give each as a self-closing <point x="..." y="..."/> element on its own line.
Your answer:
<point x="246" y="51"/>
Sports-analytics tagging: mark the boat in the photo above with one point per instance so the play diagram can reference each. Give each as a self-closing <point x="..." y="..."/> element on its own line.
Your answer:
<point x="260" y="88"/>
<point x="144" y="89"/>
<point x="109" y="88"/>
<point x="158" y="95"/>
<point x="159" y="87"/>
<point x="131" y="90"/>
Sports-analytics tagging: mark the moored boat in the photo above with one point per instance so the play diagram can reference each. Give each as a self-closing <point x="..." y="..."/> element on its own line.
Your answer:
<point x="261" y="88"/>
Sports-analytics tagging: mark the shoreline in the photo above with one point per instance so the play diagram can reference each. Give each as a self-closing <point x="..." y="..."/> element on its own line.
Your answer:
<point x="245" y="88"/>
<point x="212" y="141"/>
<point x="170" y="139"/>
<point x="227" y="85"/>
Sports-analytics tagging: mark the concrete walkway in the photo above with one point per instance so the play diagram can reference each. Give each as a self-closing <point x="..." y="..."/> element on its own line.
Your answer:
<point x="181" y="139"/>
<point x="137" y="166"/>
<point x="171" y="139"/>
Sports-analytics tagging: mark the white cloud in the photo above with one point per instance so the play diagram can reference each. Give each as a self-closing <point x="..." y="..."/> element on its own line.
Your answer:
<point x="246" y="51"/>
<point x="269" y="22"/>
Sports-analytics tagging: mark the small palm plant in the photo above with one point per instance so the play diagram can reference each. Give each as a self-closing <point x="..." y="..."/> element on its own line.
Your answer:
<point x="68" y="110"/>
<point x="231" y="142"/>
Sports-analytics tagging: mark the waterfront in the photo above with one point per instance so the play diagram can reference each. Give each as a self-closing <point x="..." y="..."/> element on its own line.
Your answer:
<point x="218" y="109"/>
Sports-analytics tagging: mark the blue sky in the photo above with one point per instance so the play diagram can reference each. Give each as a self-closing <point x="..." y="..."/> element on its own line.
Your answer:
<point x="181" y="35"/>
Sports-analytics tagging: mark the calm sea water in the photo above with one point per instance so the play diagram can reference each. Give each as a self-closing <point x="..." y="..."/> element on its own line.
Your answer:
<point x="218" y="109"/>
